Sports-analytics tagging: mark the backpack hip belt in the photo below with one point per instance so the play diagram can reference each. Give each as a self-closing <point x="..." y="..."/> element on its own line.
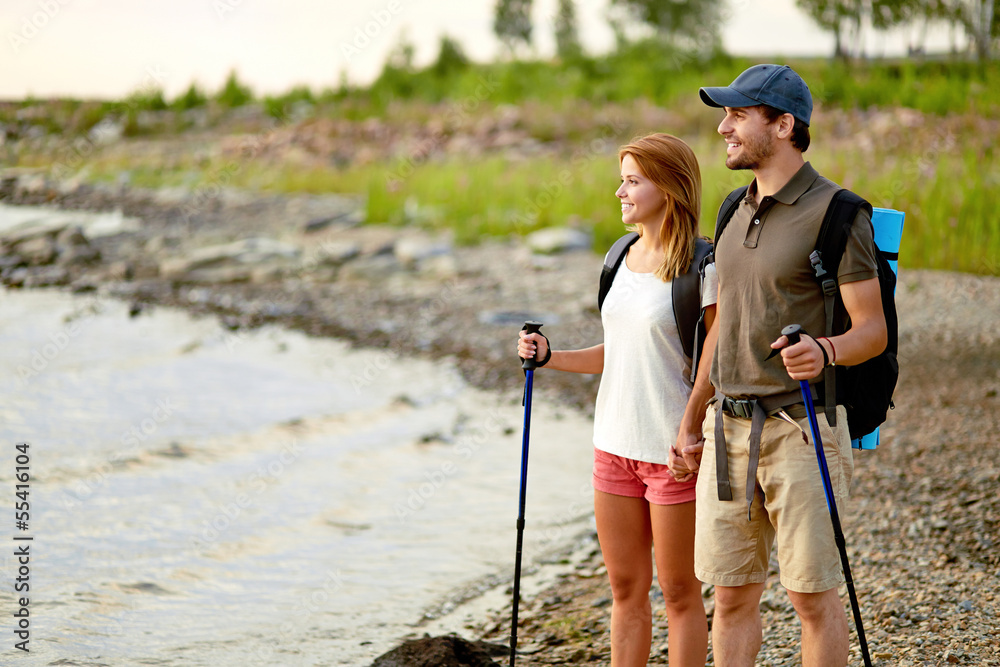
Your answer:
<point x="757" y="410"/>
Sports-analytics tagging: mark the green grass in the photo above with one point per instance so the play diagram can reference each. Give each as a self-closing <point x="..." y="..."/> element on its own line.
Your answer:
<point x="655" y="71"/>
<point x="949" y="191"/>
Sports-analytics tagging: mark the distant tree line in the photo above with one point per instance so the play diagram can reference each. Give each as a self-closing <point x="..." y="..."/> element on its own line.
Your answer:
<point x="691" y="23"/>
<point x="975" y="20"/>
<point x="696" y="23"/>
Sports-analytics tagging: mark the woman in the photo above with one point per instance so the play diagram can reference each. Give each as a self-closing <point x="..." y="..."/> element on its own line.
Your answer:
<point x="644" y="388"/>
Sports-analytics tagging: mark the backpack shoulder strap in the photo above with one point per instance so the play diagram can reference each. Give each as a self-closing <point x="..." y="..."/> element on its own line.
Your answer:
<point x="835" y="231"/>
<point x="825" y="259"/>
<point x="727" y="209"/>
<point x="685" y="292"/>
<point x="611" y="263"/>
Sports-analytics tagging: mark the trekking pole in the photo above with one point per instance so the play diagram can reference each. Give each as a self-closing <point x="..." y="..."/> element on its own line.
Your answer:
<point x="793" y="333"/>
<point x="528" y="365"/>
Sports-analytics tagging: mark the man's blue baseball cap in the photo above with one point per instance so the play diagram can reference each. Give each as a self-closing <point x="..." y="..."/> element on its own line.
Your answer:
<point x="776" y="86"/>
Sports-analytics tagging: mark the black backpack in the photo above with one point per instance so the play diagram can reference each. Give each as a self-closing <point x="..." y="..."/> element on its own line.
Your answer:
<point x="685" y="291"/>
<point x="864" y="390"/>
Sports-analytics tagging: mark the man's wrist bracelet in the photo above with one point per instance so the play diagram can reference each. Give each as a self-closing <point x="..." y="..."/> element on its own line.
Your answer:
<point x="827" y="361"/>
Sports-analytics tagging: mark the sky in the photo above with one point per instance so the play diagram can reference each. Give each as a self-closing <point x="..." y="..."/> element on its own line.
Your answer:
<point x="110" y="48"/>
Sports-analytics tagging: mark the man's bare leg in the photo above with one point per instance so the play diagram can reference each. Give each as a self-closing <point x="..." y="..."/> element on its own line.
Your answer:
<point x="824" y="628"/>
<point x="736" y="626"/>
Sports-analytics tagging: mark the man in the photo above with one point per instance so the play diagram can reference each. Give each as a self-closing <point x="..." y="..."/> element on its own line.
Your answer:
<point x="755" y="448"/>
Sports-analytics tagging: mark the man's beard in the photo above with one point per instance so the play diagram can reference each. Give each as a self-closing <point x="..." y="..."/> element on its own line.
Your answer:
<point x="752" y="152"/>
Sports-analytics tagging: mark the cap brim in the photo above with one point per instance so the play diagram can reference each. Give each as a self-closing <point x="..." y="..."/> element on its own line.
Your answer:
<point x="725" y="96"/>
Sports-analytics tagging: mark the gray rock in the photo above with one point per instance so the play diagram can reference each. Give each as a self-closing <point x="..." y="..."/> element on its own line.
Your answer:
<point x="172" y="196"/>
<point x="47" y="276"/>
<point x="439" y="267"/>
<point x="108" y="131"/>
<point x="345" y="219"/>
<point x="445" y="651"/>
<point x="8" y="185"/>
<point x="159" y="243"/>
<point x="375" y="267"/>
<point x="144" y="269"/>
<point x="334" y="253"/>
<point x="31" y="229"/>
<point x="267" y="273"/>
<point x="553" y="240"/>
<point x="122" y="270"/>
<point x="71" y="236"/>
<point x="70" y="186"/>
<point x="84" y="285"/>
<point x="413" y="250"/>
<point x="237" y="255"/>
<point x="78" y="254"/>
<point x="15" y="277"/>
<point x="19" y="223"/>
<point x="33" y="184"/>
<point x="38" y="250"/>
<point x="217" y="275"/>
<point x="10" y="262"/>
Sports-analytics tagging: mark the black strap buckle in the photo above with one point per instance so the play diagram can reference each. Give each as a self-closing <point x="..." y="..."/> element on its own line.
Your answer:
<point x="742" y="408"/>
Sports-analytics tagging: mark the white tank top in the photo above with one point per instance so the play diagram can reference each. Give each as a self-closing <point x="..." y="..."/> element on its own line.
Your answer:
<point x="645" y="384"/>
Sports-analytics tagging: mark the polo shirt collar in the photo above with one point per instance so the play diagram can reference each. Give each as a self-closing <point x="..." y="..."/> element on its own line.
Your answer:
<point x="796" y="186"/>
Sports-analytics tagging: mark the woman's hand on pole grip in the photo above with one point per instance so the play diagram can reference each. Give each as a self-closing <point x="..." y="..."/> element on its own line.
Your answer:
<point x="532" y="346"/>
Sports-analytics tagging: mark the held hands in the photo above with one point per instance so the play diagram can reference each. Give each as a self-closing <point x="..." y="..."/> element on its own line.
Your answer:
<point x="532" y="346"/>
<point x="804" y="360"/>
<point x="685" y="456"/>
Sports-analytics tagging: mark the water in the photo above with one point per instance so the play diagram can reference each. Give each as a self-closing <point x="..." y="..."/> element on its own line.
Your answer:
<point x="204" y="497"/>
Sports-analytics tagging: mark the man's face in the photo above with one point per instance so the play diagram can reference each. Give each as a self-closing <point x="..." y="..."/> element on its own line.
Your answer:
<point x="749" y="137"/>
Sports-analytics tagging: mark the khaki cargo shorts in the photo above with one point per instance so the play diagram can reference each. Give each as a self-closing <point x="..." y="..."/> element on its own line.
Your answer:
<point x="789" y="505"/>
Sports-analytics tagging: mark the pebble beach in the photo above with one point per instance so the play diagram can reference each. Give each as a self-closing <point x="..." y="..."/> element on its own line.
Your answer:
<point x="923" y="522"/>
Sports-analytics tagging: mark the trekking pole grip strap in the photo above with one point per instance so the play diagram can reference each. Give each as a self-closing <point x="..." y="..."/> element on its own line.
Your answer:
<point x="531" y="364"/>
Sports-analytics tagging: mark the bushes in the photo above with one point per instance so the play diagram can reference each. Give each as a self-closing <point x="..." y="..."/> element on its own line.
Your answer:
<point x="192" y="98"/>
<point x="933" y="86"/>
<point x="233" y="93"/>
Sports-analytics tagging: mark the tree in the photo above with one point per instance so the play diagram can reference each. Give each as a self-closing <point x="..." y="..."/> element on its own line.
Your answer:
<point x="919" y="14"/>
<point x="191" y="99"/>
<point x="694" y="21"/>
<point x="949" y="11"/>
<point x="396" y="79"/>
<point x="147" y="99"/>
<point x="512" y="23"/>
<point x="233" y="93"/>
<point x="977" y="19"/>
<point x="837" y="16"/>
<point x="451" y="58"/>
<point x="980" y="22"/>
<point x="401" y="56"/>
<point x="888" y="14"/>
<point x="567" y="35"/>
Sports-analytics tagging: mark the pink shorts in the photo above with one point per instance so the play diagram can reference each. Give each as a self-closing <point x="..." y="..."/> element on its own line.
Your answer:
<point x="620" y="476"/>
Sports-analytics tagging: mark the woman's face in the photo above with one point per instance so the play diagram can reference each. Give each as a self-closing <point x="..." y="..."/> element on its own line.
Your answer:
<point x="642" y="202"/>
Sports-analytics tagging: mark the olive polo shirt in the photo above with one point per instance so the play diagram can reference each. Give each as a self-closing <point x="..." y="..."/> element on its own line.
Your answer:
<point x="766" y="281"/>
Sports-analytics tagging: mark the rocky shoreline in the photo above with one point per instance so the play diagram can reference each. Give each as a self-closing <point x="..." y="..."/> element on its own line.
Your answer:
<point x="923" y="524"/>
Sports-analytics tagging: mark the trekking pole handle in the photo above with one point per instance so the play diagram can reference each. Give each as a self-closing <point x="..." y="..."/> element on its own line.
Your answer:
<point x="531" y="327"/>
<point x="793" y="332"/>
